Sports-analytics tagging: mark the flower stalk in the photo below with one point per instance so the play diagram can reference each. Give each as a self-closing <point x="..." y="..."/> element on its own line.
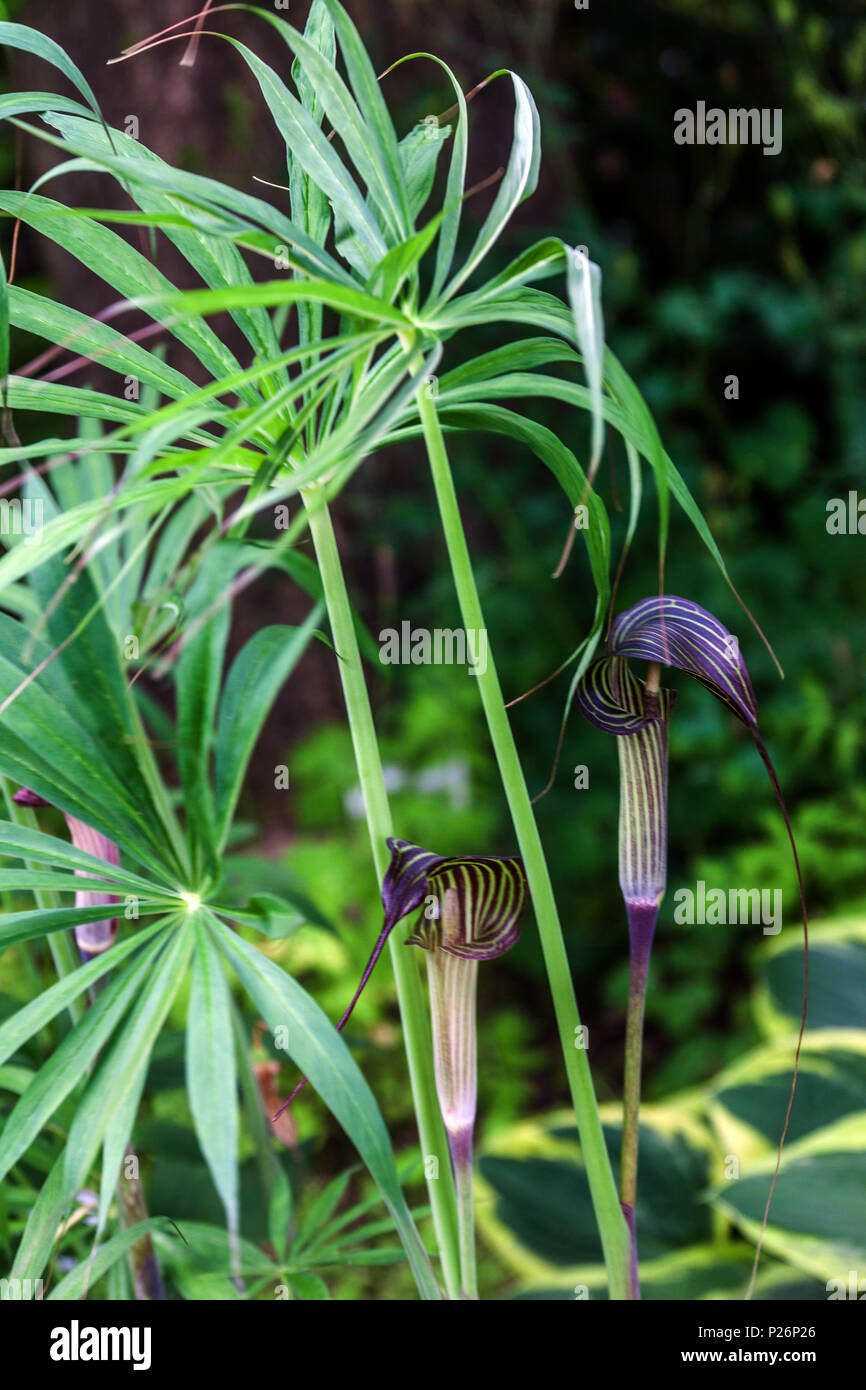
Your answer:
<point x="472" y="913"/>
<point x="643" y="761"/>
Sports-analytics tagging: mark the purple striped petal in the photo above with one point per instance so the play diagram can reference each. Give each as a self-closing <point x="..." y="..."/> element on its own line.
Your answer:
<point x="475" y="914"/>
<point x="676" y="632"/>
<point x="484" y="899"/>
<point x="606" y="696"/>
<point x="405" y="882"/>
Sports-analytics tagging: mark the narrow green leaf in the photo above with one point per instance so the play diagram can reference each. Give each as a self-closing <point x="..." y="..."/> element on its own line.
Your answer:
<point x="308" y="144"/>
<point x="35" y="313"/>
<point x="211" y="1075"/>
<point x="372" y="151"/>
<point x="323" y="1207"/>
<point x="519" y="181"/>
<point x="16" y="1030"/>
<point x="280" y="1212"/>
<point x="28" y="40"/>
<point x="20" y="842"/>
<point x="216" y="260"/>
<point x="205" y="200"/>
<point x="116" y="1143"/>
<point x="378" y="127"/>
<point x="199" y="678"/>
<point x="120" y="265"/>
<point x="117" y="1074"/>
<point x="258" y="673"/>
<point x="25" y="926"/>
<point x="321" y="1054"/>
<point x="37" y="1240"/>
<point x="419" y="155"/>
<point x="584" y="291"/>
<point x="72" y="1059"/>
<point x="272" y="292"/>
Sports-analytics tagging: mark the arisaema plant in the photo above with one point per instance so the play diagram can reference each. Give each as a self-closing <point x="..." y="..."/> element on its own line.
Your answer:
<point x="678" y="633"/>
<point x="372" y="248"/>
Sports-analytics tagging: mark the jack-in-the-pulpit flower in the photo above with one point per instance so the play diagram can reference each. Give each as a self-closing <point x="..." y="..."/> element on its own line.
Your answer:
<point x="664" y="631"/>
<point x="470" y="910"/>
<point x="92" y="938"/>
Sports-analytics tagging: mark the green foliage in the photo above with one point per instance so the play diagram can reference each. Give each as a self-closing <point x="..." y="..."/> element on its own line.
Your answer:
<point x="159" y="511"/>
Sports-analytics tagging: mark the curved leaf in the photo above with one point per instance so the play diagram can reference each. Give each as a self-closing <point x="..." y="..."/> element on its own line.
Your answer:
<point x="323" y="1057"/>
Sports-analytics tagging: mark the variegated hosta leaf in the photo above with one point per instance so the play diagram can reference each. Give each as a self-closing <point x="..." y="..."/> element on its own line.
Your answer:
<point x="676" y="632"/>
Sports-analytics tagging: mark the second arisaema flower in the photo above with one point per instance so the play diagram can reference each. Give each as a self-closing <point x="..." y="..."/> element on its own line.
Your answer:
<point x="469" y="910"/>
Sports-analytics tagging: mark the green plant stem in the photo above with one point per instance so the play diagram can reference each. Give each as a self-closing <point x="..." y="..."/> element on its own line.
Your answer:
<point x="161" y="799"/>
<point x="410" y="994"/>
<point x="615" y="1238"/>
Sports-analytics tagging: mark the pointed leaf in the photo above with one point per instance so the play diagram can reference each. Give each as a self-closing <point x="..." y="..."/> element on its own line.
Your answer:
<point x="211" y="1075"/>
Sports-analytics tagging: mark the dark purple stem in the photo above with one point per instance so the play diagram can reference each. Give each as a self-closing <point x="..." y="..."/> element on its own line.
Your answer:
<point x="368" y="970"/>
<point x="633" y="1278"/>
<point x="641" y="925"/>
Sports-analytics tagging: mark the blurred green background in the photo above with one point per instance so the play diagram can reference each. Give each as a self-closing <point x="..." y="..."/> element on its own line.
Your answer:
<point x="717" y="261"/>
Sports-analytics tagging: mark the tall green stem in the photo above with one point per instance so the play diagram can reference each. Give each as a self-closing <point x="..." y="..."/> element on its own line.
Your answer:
<point x="410" y="994"/>
<point x="612" y="1226"/>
